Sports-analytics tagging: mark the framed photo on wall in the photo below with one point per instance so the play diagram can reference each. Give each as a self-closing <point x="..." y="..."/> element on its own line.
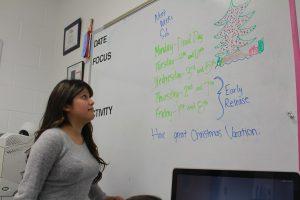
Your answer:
<point x="72" y="37"/>
<point x="76" y="71"/>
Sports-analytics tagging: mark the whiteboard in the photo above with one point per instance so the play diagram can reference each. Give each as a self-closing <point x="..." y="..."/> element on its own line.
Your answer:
<point x="197" y="84"/>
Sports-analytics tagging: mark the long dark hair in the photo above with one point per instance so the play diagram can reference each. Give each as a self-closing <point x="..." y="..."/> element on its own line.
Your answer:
<point x="55" y="116"/>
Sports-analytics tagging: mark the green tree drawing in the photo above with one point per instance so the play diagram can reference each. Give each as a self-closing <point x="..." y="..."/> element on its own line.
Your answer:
<point x="234" y="29"/>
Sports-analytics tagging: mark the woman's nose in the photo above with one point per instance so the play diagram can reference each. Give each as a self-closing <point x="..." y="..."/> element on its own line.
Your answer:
<point x="92" y="101"/>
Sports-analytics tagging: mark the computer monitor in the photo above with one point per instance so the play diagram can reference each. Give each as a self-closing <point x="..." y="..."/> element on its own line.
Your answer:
<point x="203" y="184"/>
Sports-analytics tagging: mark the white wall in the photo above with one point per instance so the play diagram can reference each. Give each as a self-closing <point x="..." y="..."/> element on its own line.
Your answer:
<point x="26" y="68"/>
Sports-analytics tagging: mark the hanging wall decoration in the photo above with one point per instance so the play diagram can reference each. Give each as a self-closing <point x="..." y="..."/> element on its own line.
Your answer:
<point x="76" y="71"/>
<point x="72" y="37"/>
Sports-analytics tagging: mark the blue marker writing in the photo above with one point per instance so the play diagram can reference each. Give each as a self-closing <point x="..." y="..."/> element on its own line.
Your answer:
<point x="219" y="95"/>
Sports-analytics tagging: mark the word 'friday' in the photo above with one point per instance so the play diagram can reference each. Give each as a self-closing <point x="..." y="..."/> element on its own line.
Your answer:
<point x="103" y="111"/>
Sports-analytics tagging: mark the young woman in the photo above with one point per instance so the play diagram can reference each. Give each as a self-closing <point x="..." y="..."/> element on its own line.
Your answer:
<point x="64" y="163"/>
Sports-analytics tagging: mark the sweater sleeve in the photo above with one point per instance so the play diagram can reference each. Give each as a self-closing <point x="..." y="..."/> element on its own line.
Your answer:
<point x="43" y="154"/>
<point x="96" y="193"/>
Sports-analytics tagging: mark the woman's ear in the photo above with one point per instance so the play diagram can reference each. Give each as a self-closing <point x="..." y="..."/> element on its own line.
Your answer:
<point x="67" y="108"/>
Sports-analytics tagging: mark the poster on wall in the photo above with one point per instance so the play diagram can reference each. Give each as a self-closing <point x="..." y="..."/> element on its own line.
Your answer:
<point x="76" y="71"/>
<point x="72" y="36"/>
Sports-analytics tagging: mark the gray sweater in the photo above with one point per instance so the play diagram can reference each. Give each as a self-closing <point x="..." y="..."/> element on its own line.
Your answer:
<point x="58" y="168"/>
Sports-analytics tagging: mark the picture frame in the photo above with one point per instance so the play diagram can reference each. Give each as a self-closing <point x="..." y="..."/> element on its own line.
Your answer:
<point x="76" y="71"/>
<point x="72" y="34"/>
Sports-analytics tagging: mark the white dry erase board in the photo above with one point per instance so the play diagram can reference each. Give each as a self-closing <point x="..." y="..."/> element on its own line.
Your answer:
<point x="194" y="84"/>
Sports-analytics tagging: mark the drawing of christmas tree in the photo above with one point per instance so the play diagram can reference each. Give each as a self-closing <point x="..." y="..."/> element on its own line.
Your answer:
<point x="233" y="32"/>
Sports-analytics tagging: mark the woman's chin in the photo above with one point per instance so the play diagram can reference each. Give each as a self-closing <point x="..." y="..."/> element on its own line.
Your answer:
<point x="92" y="117"/>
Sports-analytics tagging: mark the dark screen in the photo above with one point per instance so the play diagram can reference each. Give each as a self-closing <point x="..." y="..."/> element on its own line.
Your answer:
<point x="193" y="187"/>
